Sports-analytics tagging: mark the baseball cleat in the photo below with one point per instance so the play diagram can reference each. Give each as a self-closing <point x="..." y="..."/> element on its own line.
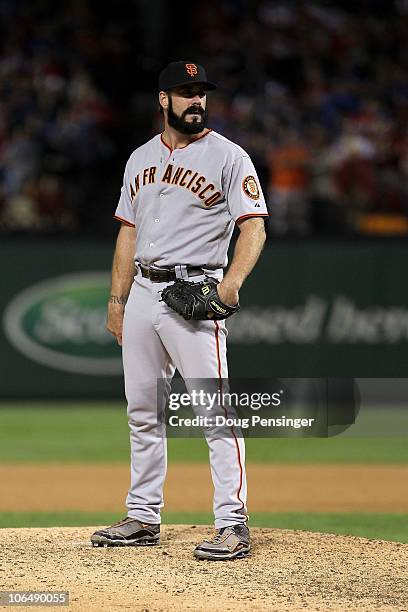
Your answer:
<point x="228" y="543"/>
<point x="128" y="532"/>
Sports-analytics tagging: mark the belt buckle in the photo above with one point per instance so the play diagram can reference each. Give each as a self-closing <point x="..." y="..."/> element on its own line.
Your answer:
<point x="145" y="271"/>
<point x="154" y="275"/>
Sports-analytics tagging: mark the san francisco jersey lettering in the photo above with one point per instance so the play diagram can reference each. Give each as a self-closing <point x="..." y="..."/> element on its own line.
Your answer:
<point x="197" y="192"/>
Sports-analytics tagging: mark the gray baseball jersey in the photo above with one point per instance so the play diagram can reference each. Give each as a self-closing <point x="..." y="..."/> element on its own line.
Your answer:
<point x="184" y="202"/>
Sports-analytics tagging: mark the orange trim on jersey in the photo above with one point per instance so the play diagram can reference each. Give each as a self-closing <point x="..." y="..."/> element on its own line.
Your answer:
<point x="124" y="221"/>
<point x="185" y="146"/>
<point x="252" y="215"/>
<point x="241" y="472"/>
<point x="165" y="143"/>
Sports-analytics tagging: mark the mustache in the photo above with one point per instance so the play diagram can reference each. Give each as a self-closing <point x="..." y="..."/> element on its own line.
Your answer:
<point x="194" y="109"/>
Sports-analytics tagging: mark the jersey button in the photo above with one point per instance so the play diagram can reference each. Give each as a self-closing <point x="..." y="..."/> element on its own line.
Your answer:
<point x="156" y="220"/>
<point x="162" y="195"/>
<point x="151" y="244"/>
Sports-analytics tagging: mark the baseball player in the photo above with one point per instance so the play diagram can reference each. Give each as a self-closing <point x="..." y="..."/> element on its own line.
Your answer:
<point x="183" y="193"/>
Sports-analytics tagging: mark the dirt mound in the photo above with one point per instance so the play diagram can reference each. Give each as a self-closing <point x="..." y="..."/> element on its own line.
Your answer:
<point x="287" y="570"/>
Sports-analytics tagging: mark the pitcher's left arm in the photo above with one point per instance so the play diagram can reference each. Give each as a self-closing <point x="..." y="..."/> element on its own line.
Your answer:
<point x="247" y="250"/>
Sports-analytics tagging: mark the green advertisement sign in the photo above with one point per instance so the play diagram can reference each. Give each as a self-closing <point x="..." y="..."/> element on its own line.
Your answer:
<point x="309" y="310"/>
<point x="60" y="323"/>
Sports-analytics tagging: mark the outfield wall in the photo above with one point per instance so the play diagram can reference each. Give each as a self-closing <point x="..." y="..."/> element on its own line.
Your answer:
<point x="308" y="310"/>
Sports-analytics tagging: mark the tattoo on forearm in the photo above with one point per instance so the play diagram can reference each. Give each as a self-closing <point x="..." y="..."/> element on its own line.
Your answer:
<point x="117" y="299"/>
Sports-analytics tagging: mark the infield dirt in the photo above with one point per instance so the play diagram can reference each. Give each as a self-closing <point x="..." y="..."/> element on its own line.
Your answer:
<point x="271" y="488"/>
<point x="287" y="570"/>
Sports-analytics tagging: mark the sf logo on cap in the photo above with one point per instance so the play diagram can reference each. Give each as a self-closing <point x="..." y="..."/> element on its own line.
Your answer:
<point x="191" y="69"/>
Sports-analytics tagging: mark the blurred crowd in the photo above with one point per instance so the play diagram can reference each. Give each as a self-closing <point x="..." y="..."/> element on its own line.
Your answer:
<point x="316" y="92"/>
<point x="318" y="95"/>
<point x="57" y="123"/>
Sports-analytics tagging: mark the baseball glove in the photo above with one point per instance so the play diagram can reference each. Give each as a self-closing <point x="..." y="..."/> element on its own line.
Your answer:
<point x="197" y="301"/>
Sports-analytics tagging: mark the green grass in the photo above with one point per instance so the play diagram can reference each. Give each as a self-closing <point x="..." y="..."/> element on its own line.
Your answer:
<point x="97" y="432"/>
<point x="368" y="525"/>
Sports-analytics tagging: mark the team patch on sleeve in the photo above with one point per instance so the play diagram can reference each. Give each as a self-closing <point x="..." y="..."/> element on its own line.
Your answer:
<point x="250" y="187"/>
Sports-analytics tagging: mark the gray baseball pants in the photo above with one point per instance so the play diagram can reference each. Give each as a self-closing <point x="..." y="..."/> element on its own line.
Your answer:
<point x="155" y="342"/>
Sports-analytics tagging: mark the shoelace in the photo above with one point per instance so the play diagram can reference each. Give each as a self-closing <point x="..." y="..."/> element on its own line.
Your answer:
<point x="219" y="535"/>
<point x="127" y="519"/>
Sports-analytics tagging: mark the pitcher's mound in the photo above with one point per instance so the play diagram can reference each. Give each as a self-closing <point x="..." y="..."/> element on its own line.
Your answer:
<point x="287" y="570"/>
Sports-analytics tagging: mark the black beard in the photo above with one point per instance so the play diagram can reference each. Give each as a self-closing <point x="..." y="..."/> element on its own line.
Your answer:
<point x="187" y="127"/>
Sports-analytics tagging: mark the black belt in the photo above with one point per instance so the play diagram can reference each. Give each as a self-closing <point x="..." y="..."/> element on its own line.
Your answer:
<point x="166" y="275"/>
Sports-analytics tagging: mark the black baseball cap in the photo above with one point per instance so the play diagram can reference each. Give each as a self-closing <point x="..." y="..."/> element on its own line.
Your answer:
<point x="176" y="74"/>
